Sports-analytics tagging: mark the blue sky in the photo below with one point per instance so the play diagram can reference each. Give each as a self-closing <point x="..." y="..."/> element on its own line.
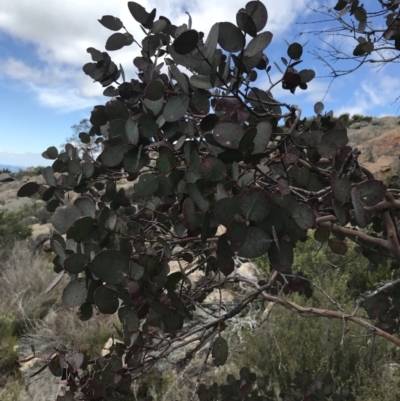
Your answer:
<point x="43" y="91"/>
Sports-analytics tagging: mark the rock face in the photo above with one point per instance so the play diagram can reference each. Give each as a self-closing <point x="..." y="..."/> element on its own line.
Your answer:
<point x="379" y="143"/>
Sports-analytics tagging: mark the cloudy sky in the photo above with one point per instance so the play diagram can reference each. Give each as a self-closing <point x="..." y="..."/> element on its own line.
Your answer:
<point x="43" y="91"/>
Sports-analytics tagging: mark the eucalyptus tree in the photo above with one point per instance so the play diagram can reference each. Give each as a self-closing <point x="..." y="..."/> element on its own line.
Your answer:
<point x="203" y="147"/>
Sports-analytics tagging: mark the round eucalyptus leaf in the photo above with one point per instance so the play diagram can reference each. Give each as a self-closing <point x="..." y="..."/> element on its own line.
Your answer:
<point x="106" y="300"/>
<point x="341" y="188"/>
<point x="191" y="217"/>
<point x="337" y="246"/>
<point x="146" y="186"/>
<point x="135" y="160"/>
<point x="176" y="108"/>
<point x="154" y="90"/>
<point x="128" y="318"/>
<point x="258" y="44"/>
<point x="201" y="81"/>
<point x="75" y="263"/>
<point x="195" y="194"/>
<point x="371" y="192"/>
<point x="304" y="216"/>
<point x="209" y="122"/>
<point x="322" y="234"/>
<point x="111" y="266"/>
<point x="281" y="258"/>
<point x="261" y="140"/>
<point x="85" y="312"/>
<point x="306" y="75"/>
<point x="255" y="204"/>
<point x="186" y="42"/>
<point x="74" y="294"/>
<point x="295" y="50"/>
<point x="80" y="229"/>
<point x="246" y="23"/>
<point x="28" y="189"/>
<point x="359" y="211"/>
<point x="87" y="169"/>
<point x="226" y="209"/>
<point x="256" y="244"/>
<point x="112" y="155"/>
<point x="110" y="22"/>
<point x="228" y="134"/>
<point x="64" y="217"/>
<point x="230" y="37"/>
<point x="212" y="169"/>
<point x="132" y="131"/>
<point x="51" y="153"/>
<point x="166" y="160"/>
<point x="236" y="234"/>
<point x="219" y="351"/>
<point x="180" y="78"/>
<point x="318" y="107"/>
<point x="86" y="206"/>
<point x="48" y="175"/>
<point x="258" y="12"/>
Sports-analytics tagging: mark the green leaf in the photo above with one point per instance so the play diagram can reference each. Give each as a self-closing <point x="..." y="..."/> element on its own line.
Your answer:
<point x="166" y="160"/>
<point x="64" y="217"/>
<point x="112" y="155"/>
<point x="337" y="246"/>
<point x="258" y="44"/>
<point x="255" y="204"/>
<point x="246" y="23"/>
<point x="322" y="234"/>
<point x="261" y="140"/>
<point x="186" y="42"/>
<point x="359" y="211"/>
<point x="138" y="12"/>
<point x="281" y="259"/>
<point x="106" y="300"/>
<point x="371" y="192"/>
<point x="86" y="206"/>
<point x="230" y="37"/>
<point x="228" y="134"/>
<point x="209" y="122"/>
<point x="80" y="229"/>
<point x="135" y="160"/>
<point x="201" y="101"/>
<point x="295" y="50"/>
<point x="146" y="186"/>
<point x="87" y="169"/>
<point x="304" y="216"/>
<point x="128" y="318"/>
<point x="85" y="312"/>
<point x="111" y="266"/>
<point x="211" y="42"/>
<point x="258" y="12"/>
<point x="154" y="90"/>
<point x="236" y="234"/>
<point x="148" y="126"/>
<point x="74" y="294"/>
<point x="51" y="153"/>
<point x="226" y="209"/>
<point x="341" y="188"/>
<point x="219" y="351"/>
<point x="28" y="189"/>
<point x="118" y="40"/>
<point x="212" y="169"/>
<point x="191" y="216"/>
<point x="176" y="108"/>
<point x="75" y="263"/>
<point x="201" y="81"/>
<point x="110" y="22"/>
<point x="256" y="244"/>
<point x="180" y="78"/>
<point x="306" y="75"/>
<point x="318" y="107"/>
<point x="195" y="194"/>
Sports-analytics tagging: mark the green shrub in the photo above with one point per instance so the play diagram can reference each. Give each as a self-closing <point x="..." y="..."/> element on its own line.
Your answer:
<point x="11" y="229"/>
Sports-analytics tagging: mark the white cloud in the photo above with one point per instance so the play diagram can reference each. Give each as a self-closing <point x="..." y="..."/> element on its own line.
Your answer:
<point x="61" y="31"/>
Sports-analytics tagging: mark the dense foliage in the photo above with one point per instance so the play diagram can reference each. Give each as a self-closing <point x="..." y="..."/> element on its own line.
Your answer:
<point x="203" y="148"/>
